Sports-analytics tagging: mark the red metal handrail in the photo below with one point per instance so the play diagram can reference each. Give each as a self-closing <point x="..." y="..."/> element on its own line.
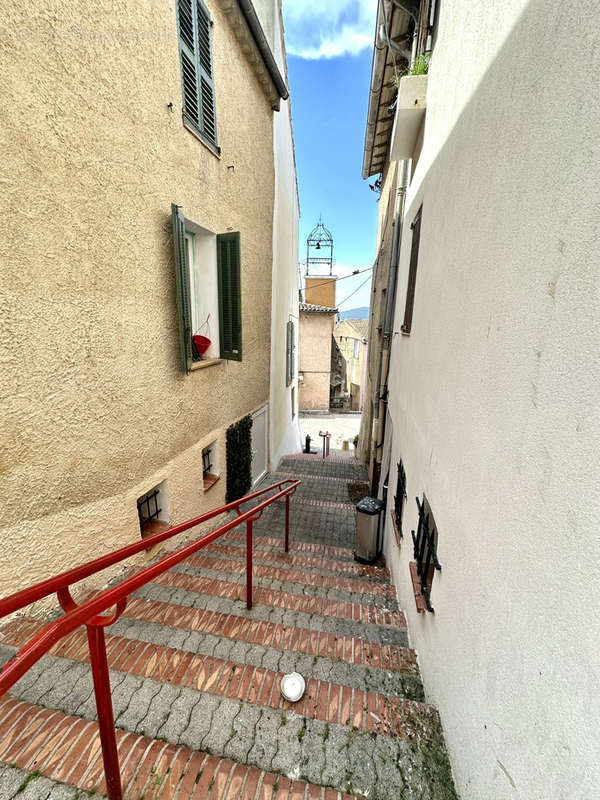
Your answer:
<point x="90" y="612"/>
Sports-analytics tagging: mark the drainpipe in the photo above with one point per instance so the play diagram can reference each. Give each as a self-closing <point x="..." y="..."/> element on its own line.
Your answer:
<point x="264" y="48"/>
<point x="388" y="321"/>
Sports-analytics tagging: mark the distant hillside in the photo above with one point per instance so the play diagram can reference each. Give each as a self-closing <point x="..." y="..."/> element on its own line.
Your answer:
<point x="355" y="313"/>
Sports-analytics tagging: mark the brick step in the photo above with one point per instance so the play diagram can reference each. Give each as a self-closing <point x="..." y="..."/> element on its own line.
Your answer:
<point x="315" y="745"/>
<point x="229" y="598"/>
<point x="152" y="637"/>
<point x="309" y="604"/>
<point x="249" y="732"/>
<point x="296" y="547"/>
<point x="244" y="628"/>
<point x="325" y="565"/>
<point x="66" y="749"/>
<point x="291" y="582"/>
<point x="367" y="711"/>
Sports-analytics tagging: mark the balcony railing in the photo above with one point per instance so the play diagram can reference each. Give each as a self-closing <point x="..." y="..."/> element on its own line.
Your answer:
<point x="90" y="613"/>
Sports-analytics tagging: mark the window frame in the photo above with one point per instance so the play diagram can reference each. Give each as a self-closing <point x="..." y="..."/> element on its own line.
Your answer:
<point x="229" y="304"/>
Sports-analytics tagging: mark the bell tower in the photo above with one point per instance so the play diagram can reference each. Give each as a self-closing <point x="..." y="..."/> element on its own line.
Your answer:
<point x="320" y="280"/>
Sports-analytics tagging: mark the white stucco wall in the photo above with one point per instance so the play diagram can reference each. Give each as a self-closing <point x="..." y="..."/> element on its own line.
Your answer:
<point x="494" y="397"/>
<point x="284" y="431"/>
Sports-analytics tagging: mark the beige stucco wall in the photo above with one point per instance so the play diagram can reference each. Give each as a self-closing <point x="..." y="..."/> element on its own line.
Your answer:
<point x="94" y="405"/>
<point x="315" y="360"/>
<point x="494" y="396"/>
<point x="345" y="335"/>
<point x="321" y="291"/>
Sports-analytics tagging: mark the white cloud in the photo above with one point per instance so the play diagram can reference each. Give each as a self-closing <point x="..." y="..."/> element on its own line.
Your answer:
<point x="328" y="28"/>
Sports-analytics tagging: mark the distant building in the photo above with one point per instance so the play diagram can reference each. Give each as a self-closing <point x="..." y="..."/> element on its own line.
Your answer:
<point x="351" y="340"/>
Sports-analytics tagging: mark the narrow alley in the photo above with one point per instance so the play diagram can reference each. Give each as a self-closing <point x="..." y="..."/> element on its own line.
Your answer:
<point x="196" y="677"/>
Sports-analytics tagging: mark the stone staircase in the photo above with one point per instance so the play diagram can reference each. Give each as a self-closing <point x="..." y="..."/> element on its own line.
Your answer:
<point x="195" y="678"/>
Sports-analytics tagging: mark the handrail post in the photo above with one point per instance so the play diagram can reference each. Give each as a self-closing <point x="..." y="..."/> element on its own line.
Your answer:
<point x="249" y="564"/>
<point x="287" y="523"/>
<point x="106" y="721"/>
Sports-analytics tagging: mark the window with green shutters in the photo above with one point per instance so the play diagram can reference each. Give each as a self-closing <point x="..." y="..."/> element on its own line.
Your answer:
<point x="229" y="311"/>
<point x="230" y="295"/>
<point x="194" y="28"/>
<point x="290" y="352"/>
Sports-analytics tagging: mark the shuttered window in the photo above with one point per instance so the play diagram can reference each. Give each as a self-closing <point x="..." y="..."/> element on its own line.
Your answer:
<point x="412" y="272"/>
<point x="230" y="292"/>
<point x="182" y="279"/>
<point x="230" y="295"/>
<point x="194" y="27"/>
<point x="290" y="366"/>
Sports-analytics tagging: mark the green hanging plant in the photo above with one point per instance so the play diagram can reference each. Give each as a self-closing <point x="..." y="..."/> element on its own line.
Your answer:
<point x="239" y="459"/>
<point x="420" y="66"/>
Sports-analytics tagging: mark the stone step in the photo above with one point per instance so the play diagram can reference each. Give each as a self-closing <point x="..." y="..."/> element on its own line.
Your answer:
<point x="325" y="565"/>
<point x="150" y="768"/>
<point x="142" y="638"/>
<point x="235" y="572"/>
<point x="315" y="613"/>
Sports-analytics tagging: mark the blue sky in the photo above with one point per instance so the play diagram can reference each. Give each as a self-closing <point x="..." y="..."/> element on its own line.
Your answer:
<point x="329" y="49"/>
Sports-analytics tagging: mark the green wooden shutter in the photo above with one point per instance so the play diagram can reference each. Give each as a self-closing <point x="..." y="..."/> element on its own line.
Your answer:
<point x="189" y="62"/>
<point x="182" y="279"/>
<point x="289" y="354"/>
<point x="205" y="63"/>
<point x="230" y="295"/>
<point x="194" y="27"/>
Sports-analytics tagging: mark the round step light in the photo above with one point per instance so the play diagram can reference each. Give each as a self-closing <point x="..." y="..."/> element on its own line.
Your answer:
<point x="293" y="686"/>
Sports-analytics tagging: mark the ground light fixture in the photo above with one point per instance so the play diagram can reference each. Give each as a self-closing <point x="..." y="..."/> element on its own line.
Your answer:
<point x="293" y="686"/>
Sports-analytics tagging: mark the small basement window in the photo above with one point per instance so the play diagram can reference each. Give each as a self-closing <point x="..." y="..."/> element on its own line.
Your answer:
<point x="153" y="510"/>
<point x="210" y="466"/>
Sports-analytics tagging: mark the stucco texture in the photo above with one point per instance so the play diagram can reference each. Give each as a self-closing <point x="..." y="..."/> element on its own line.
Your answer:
<point x="315" y="360"/>
<point x="494" y="396"/>
<point x="94" y="404"/>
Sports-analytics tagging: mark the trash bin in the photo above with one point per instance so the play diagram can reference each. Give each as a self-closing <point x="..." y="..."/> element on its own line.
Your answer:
<point x="368" y="520"/>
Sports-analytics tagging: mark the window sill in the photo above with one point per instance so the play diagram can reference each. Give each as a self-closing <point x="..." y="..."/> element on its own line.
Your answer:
<point x="210" y="362"/>
<point x="420" y="602"/>
<point x="216" y="151"/>
<point x="209" y="481"/>
<point x="397" y="531"/>
<point x="156" y="526"/>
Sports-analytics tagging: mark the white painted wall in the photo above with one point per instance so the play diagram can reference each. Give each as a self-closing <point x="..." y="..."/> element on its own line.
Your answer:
<point x="284" y="432"/>
<point x="494" y="397"/>
<point x="204" y="286"/>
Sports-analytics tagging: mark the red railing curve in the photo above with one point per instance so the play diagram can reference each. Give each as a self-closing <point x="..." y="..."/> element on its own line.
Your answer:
<point x="91" y="615"/>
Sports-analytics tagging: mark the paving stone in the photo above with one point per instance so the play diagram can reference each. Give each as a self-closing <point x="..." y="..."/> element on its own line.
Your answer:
<point x="265" y="738"/>
<point x="11" y="779"/>
<point x="372" y="765"/>
<point x="243" y="733"/>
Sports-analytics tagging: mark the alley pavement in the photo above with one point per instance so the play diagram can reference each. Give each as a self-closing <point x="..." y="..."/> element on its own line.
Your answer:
<point x="195" y="676"/>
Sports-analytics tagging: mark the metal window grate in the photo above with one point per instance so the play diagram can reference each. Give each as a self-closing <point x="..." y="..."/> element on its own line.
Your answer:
<point x="206" y="461"/>
<point x="148" y="508"/>
<point x="425" y="549"/>
<point x="400" y="496"/>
